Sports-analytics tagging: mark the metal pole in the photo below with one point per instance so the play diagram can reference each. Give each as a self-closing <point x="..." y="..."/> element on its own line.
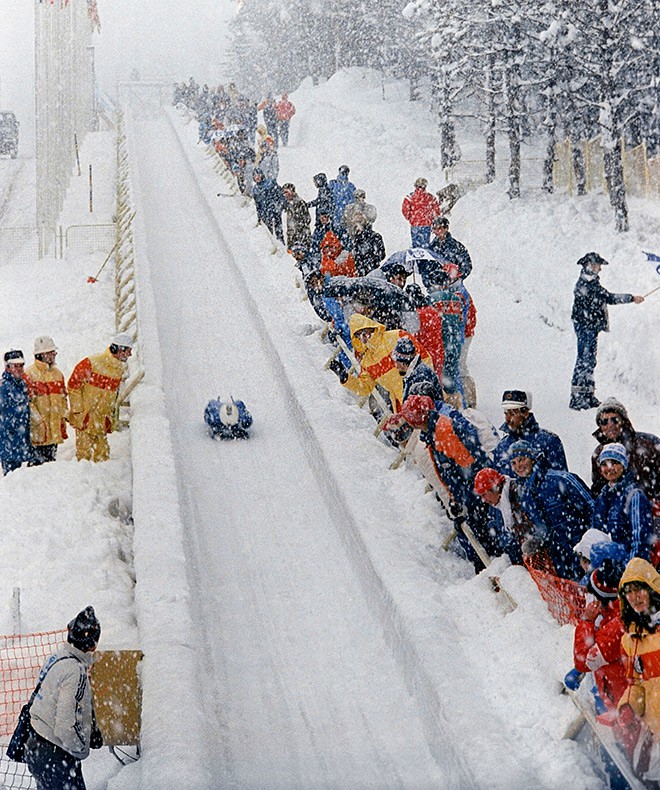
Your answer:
<point x="91" y="193"/>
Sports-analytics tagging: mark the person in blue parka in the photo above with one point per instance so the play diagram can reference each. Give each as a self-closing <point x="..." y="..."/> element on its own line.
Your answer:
<point x="559" y="505"/>
<point x="343" y="193"/>
<point x="520" y="424"/>
<point x="15" y="445"/>
<point x="622" y="508"/>
<point x="227" y="419"/>
<point x="269" y="201"/>
<point x="589" y="316"/>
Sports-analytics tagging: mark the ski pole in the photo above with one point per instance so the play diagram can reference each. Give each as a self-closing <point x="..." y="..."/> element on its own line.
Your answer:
<point x="652" y="292"/>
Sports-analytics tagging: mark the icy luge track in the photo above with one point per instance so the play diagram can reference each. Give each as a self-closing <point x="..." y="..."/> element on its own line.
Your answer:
<point x="343" y="716"/>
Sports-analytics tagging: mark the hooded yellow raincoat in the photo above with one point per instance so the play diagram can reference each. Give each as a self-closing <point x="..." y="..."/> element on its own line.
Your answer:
<point x="643" y="651"/>
<point x="377" y="366"/>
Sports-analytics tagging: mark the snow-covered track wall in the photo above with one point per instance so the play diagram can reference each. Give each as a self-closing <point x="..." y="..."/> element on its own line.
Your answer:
<point x="172" y="725"/>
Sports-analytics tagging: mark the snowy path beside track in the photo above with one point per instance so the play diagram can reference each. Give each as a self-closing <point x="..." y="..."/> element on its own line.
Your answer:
<point x="301" y="687"/>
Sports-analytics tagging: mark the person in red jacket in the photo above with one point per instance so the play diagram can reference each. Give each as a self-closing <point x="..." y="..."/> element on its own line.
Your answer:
<point x="420" y="208"/>
<point x="284" y="110"/>
<point x="597" y="639"/>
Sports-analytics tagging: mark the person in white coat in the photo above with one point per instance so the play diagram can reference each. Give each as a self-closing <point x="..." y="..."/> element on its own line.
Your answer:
<point x="62" y="712"/>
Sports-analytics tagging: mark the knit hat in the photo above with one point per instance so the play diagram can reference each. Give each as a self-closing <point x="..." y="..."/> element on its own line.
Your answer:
<point x="416" y="410"/>
<point x="592" y="257"/>
<point x="612" y="404"/>
<point x="84" y="630"/>
<point x="421" y="182"/>
<point x="516" y="399"/>
<point x="123" y="340"/>
<point x="404" y="351"/>
<point x="605" y="581"/>
<point x="43" y="344"/>
<point x="590" y="538"/>
<point x="359" y="194"/>
<point x="344" y="170"/>
<point x="614" y="452"/>
<point x="523" y="448"/>
<point x="487" y="480"/>
<point x="440" y="222"/>
<point x="14" y="357"/>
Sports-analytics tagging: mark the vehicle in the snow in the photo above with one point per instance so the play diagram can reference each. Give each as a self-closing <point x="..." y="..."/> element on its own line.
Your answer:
<point x="8" y="134"/>
<point x="227" y="419"/>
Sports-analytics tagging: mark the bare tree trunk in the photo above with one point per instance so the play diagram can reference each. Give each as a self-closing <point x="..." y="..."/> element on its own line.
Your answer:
<point x="550" y="123"/>
<point x="616" y="187"/>
<point x="513" y="133"/>
<point x="614" y="166"/>
<point x="490" y="123"/>
<point x="450" y="152"/>
<point x="579" y="168"/>
<point x="549" y="161"/>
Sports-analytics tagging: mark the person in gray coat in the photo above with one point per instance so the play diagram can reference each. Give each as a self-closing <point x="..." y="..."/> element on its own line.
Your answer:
<point x="62" y="712"/>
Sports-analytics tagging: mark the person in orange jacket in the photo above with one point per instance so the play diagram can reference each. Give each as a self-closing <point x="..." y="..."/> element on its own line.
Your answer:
<point x="93" y="388"/>
<point x="335" y="260"/>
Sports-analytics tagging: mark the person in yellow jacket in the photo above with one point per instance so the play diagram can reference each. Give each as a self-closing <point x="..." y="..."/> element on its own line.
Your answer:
<point x="373" y="346"/>
<point x="93" y="387"/>
<point x="639" y="591"/>
<point x="48" y="401"/>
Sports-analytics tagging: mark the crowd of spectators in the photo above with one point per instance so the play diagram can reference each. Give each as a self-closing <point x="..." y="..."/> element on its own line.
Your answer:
<point x="401" y="326"/>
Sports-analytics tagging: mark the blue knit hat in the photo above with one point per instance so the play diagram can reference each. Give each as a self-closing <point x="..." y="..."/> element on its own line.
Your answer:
<point x="404" y="350"/>
<point x="523" y="448"/>
<point x="614" y="452"/>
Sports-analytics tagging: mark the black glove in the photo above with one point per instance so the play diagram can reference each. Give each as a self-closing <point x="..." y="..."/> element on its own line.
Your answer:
<point x="456" y="511"/>
<point x="337" y="368"/>
<point x="96" y="739"/>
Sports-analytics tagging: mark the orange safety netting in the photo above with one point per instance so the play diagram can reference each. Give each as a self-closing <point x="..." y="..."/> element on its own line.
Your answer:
<point x="565" y="598"/>
<point x="21" y="658"/>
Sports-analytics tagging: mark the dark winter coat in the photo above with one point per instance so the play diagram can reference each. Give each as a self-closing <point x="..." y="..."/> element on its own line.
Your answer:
<point x="422" y="380"/>
<point x="323" y="202"/>
<point x="624" y="512"/>
<point x="561" y="508"/>
<point x="512" y="531"/>
<point x="453" y="251"/>
<point x="643" y="457"/>
<point x="15" y="446"/>
<point x="590" y="302"/>
<point x="268" y="199"/>
<point x="368" y="251"/>
<point x="298" y="223"/>
<point x="547" y="442"/>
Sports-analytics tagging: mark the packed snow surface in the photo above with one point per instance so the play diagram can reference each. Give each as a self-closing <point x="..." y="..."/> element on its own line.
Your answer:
<point x="302" y="625"/>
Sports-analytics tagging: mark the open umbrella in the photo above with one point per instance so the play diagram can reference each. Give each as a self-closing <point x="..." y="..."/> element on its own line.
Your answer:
<point x="417" y="259"/>
<point x="389" y="304"/>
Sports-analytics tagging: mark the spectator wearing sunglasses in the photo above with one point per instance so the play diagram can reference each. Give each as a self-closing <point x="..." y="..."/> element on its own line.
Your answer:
<point x="643" y="450"/>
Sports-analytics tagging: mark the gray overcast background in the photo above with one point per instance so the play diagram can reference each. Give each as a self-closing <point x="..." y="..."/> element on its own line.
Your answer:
<point x="173" y="39"/>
